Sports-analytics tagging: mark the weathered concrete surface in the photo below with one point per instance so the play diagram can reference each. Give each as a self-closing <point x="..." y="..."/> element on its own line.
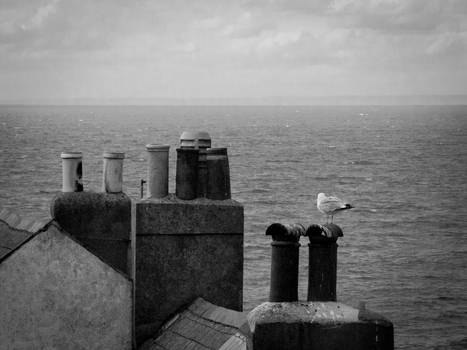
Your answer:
<point x="100" y="221"/>
<point x="322" y="268"/>
<point x="318" y="325"/>
<point x="55" y="294"/>
<point x="203" y="326"/>
<point x="284" y="271"/>
<point x="179" y="257"/>
<point x="172" y="215"/>
<point x="173" y="270"/>
<point x="11" y="238"/>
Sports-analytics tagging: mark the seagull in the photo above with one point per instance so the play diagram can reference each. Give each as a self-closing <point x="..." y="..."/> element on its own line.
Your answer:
<point x="331" y="205"/>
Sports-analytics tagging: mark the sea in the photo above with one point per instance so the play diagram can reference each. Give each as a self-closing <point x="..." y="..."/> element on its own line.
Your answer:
<point x="404" y="168"/>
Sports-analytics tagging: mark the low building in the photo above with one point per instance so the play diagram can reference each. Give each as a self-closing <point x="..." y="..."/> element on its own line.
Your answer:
<point x="54" y="293"/>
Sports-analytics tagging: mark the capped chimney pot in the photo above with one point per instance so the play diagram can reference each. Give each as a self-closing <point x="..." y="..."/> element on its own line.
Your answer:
<point x="322" y="266"/>
<point x="203" y="140"/>
<point x="284" y="261"/>
<point x="187" y="139"/>
<point x="196" y="140"/>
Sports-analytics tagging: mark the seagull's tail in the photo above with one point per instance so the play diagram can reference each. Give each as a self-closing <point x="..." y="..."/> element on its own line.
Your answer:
<point x="347" y="206"/>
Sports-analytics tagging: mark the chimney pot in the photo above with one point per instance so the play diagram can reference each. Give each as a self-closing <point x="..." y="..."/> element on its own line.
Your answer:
<point x="113" y="172"/>
<point x="158" y="170"/>
<point x="72" y="171"/>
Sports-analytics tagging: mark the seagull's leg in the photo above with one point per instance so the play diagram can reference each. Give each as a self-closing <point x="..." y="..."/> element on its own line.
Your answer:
<point x="332" y="218"/>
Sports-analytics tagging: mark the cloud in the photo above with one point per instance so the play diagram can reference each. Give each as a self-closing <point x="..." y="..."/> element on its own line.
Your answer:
<point x="246" y="25"/>
<point x="206" y="47"/>
<point x="449" y="44"/>
<point x="40" y="16"/>
<point x="16" y="18"/>
<point x="399" y="16"/>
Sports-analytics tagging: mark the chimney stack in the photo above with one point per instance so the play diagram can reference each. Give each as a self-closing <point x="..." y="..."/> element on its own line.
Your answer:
<point x="100" y="221"/>
<point x="188" y="248"/>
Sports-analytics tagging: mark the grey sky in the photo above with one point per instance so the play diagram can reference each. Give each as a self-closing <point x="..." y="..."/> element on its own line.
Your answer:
<point x="78" y="49"/>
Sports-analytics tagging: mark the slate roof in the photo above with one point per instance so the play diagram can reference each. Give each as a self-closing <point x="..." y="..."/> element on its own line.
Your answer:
<point x="15" y="231"/>
<point x="203" y="326"/>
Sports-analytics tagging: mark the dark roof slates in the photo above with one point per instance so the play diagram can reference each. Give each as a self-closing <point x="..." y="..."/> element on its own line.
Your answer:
<point x="15" y="231"/>
<point x="203" y="326"/>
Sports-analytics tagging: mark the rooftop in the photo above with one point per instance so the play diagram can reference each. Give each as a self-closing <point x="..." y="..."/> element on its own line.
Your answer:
<point x="201" y="326"/>
<point x="15" y="231"/>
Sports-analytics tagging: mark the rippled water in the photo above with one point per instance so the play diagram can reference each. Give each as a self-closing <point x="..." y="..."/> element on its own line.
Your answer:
<point x="404" y="250"/>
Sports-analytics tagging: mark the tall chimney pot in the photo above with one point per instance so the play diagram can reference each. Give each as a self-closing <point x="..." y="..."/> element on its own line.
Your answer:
<point x="72" y="171"/>
<point x="322" y="266"/>
<point x="186" y="176"/>
<point x="158" y="170"/>
<point x="284" y="261"/>
<point x="113" y="172"/>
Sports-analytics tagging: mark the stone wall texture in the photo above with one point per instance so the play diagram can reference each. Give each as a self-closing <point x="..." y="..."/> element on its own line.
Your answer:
<point x="185" y="250"/>
<point x="100" y="221"/>
<point x="55" y="294"/>
<point x="318" y="325"/>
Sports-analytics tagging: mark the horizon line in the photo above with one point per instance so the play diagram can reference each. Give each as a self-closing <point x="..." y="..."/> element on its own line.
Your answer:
<point x="375" y="100"/>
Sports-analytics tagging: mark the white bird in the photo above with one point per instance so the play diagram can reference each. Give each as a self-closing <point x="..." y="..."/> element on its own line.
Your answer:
<point x="331" y="205"/>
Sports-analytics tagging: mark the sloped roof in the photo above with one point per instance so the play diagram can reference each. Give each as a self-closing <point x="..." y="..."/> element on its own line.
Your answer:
<point x="15" y="231"/>
<point x="203" y="326"/>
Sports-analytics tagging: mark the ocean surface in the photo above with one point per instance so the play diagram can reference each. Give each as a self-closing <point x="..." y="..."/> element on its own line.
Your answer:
<point x="404" y="250"/>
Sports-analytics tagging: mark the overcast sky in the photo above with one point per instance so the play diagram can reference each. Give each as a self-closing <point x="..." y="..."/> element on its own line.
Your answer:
<point x="121" y="49"/>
